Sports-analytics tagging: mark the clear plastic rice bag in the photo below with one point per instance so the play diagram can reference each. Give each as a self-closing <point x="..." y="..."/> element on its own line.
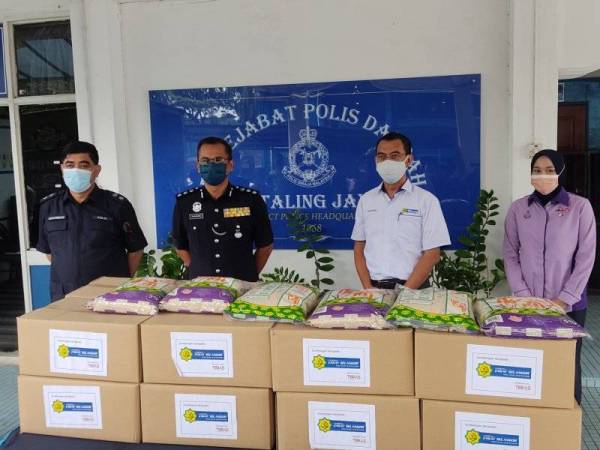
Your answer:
<point x="434" y="309"/>
<point x="353" y="309"/>
<point x="278" y="302"/>
<point x="136" y="296"/>
<point x="527" y="317"/>
<point x="204" y="295"/>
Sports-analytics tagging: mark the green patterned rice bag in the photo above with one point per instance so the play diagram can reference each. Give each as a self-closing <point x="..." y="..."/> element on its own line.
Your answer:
<point x="279" y="302"/>
<point x="434" y="309"/>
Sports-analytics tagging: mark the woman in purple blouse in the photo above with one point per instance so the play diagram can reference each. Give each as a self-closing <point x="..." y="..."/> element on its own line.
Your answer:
<point x="550" y="244"/>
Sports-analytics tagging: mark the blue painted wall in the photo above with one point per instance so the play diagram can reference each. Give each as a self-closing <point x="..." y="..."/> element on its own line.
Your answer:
<point x="40" y="286"/>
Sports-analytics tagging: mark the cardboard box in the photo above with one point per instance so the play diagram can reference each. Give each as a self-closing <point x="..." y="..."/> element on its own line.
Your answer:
<point x="206" y="349"/>
<point x="89" y="292"/>
<point x="350" y="421"/>
<point x="109" y="281"/>
<point x="207" y="416"/>
<point x="529" y="372"/>
<point x="473" y="426"/>
<point x="309" y="359"/>
<point x="71" y="304"/>
<point x="80" y="408"/>
<point x="80" y="344"/>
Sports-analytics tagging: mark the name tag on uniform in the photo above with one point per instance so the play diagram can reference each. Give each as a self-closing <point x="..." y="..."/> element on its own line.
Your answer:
<point x="236" y="212"/>
<point x="409" y="212"/>
<point x="57" y="218"/>
<point x="102" y="218"/>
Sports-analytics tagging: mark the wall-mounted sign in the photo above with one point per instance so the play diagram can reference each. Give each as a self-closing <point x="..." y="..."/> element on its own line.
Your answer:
<point x="311" y="146"/>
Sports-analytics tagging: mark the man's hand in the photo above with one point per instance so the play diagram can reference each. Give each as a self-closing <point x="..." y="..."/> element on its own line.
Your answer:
<point x="360" y="262"/>
<point x="561" y="304"/>
<point x="423" y="268"/>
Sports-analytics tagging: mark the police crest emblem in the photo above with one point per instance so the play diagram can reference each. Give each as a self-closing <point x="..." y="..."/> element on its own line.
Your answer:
<point x="308" y="161"/>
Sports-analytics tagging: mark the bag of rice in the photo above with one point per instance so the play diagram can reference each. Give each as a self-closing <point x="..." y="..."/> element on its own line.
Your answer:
<point x="353" y="309"/>
<point x="204" y="295"/>
<point x="530" y="317"/>
<point x="279" y="302"/>
<point x="136" y="296"/>
<point x="434" y="309"/>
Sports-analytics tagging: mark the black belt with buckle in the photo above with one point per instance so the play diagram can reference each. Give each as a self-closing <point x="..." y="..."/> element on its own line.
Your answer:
<point x="390" y="283"/>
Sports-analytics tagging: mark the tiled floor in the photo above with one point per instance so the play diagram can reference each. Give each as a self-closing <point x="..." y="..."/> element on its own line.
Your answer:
<point x="590" y="366"/>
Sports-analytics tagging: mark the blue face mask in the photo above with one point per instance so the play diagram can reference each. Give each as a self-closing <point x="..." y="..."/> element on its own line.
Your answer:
<point x="77" y="180"/>
<point x="213" y="173"/>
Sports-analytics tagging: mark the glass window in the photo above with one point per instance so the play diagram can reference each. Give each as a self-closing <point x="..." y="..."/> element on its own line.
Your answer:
<point x="44" y="58"/>
<point x="45" y="130"/>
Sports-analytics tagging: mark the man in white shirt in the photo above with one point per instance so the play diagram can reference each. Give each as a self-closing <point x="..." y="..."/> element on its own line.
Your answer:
<point x="399" y="228"/>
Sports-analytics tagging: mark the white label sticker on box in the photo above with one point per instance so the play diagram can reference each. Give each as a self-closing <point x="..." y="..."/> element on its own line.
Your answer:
<point x="504" y="371"/>
<point x="78" y="352"/>
<point x="336" y="362"/>
<point x="342" y="426"/>
<point x="205" y="416"/>
<point x="73" y="407"/>
<point x="490" y="432"/>
<point x="202" y="354"/>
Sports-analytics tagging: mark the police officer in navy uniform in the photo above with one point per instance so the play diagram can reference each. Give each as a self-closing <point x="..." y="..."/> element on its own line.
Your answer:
<point x="220" y="229"/>
<point x="87" y="232"/>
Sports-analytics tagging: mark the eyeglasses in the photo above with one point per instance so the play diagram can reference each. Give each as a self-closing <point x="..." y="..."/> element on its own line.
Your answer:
<point x="217" y="159"/>
<point x="394" y="156"/>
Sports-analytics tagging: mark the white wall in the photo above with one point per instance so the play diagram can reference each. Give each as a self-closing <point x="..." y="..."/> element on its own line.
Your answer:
<point x="185" y="44"/>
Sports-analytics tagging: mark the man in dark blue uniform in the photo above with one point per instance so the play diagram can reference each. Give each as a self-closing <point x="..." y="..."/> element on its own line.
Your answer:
<point x="87" y="232"/>
<point x="217" y="227"/>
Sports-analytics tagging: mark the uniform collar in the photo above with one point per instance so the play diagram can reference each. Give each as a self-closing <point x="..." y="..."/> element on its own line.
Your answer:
<point x="562" y="197"/>
<point x="94" y="195"/>
<point x="407" y="186"/>
<point x="204" y="194"/>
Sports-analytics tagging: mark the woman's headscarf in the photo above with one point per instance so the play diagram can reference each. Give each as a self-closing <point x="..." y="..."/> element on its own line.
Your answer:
<point x="554" y="156"/>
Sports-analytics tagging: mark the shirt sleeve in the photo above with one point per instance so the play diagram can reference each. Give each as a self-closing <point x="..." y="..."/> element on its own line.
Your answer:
<point x="358" y="232"/>
<point x="261" y="224"/>
<point x="42" y="243"/>
<point x="179" y="233"/>
<point x="510" y="250"/>
<point x="584" y="257"/>
<point x="133" y="236"/>
<point x="435" y="230"/>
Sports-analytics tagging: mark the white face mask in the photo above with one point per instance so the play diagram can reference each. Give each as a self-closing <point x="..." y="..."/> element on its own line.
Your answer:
<point x="391" y="171"/>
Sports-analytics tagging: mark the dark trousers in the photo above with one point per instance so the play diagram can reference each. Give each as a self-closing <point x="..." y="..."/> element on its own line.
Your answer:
<point x="579" y="317"/>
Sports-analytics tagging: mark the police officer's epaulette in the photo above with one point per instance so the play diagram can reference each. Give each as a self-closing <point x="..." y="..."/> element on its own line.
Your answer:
<point x="115" y="195"/>
<point x="189" y="191"/>
<point x="245" y="189"/>
<point x="48" y="197"/>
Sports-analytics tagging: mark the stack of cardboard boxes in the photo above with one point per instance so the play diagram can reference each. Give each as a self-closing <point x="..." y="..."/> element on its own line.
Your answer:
<point x="344" y="389"/>
<point x="482" y="392"/>
<point x="80" y="372"/>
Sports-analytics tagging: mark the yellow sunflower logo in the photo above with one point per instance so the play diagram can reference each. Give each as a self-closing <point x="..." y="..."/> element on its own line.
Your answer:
<point x="185" y="354"/>
<point x="58" y="406"/>
<point x="324" y="425"/>
<point x="189" y="415"/>
<point x="484" y="370"/>
<point x="472" y="437"/>
<point x="318" y="362"/>
<point x="63" y="351"/>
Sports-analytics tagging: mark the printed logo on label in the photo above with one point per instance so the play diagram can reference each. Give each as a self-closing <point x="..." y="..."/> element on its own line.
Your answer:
<point x="58" y="406"/>
<point x="326" y="425"/>
<point x="187" y="354"/>
<point x="64" y="351"/>
<point x="192" y="416"/>
<point x="486" y="370"/>
<point x="324" y="362"/>
<point x="475" y="437"/>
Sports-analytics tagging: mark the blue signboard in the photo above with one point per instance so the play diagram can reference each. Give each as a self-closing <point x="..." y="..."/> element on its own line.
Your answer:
<point x="3" y="89"/>
<point x="312" y="146"/>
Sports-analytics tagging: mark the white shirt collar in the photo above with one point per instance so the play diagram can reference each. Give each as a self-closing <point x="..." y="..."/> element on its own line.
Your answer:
<point x="407" y="186"/>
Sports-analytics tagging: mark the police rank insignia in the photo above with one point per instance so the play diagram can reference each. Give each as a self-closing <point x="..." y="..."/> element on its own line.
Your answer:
<point x="236" y="212"/>
<point x="197" y="207"/>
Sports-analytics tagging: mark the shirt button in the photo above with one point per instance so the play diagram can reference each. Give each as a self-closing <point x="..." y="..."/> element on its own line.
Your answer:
<point x="218" y="270"/>
<point x="193" y="228"/>
<point x="217" y="256"/>
<point x="216" y="241"/>
<point x="217" y="225"/>
<point x="216" y="209"/>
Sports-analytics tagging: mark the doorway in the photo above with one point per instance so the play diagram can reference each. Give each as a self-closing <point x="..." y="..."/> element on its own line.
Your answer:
<point x="582" y="165"/>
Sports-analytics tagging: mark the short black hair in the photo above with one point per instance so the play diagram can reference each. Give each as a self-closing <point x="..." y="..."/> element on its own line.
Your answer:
<point x="395" y="136"/>
<point x="214" y="140"/>
<point x="80" y="147"/>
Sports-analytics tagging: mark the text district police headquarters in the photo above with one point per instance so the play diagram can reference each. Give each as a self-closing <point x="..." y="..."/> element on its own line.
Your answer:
<point x="344" y="202"/>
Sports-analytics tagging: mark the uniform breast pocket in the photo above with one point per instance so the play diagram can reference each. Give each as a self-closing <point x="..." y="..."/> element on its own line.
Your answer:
<point x="409" y="228"/>
<point x="239" y="229"/>
<point x="57" y="231"/>
<point x="100" y="233"/>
